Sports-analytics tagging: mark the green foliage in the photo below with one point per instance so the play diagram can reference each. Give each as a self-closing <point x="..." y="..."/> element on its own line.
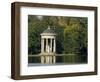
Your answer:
<point x="75" y="34"/>
<point x="71" y="33"/>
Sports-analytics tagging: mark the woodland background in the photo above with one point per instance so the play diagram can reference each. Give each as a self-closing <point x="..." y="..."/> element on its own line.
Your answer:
<point x="71" y="36"/>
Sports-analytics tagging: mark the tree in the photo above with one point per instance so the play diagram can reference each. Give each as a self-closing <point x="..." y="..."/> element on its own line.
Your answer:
<point x="71" y="33"/>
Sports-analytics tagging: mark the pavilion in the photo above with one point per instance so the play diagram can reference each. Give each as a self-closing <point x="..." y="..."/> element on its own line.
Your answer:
<point x="48" y="46"/>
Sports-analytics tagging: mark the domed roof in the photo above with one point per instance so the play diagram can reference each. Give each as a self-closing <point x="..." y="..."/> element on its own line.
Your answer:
<point x="48" y="31"/>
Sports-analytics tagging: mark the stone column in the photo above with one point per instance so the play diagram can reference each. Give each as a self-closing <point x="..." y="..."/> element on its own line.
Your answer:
<point x="51" y="44"/>
<point x="42" y="50"/>
<point x="46" y="44"/>
<point x="54" y="47"/>
<point x="54" y="50"/>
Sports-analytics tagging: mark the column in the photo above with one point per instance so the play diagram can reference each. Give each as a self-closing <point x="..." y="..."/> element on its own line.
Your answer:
<point x="51" y="45"/>
<point x="54" y="50"/>
<point x="46" y="44"/>
<point x="54" y="47"/>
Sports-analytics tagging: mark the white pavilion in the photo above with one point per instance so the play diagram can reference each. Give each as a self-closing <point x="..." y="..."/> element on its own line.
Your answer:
<point x="48" y="46"/>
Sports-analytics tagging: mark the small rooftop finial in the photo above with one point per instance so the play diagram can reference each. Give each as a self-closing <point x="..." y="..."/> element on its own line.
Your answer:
<point x="48" y="27"/>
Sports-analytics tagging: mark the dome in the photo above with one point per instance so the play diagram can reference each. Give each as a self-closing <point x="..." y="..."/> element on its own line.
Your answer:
<point x="48" y="31"/>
